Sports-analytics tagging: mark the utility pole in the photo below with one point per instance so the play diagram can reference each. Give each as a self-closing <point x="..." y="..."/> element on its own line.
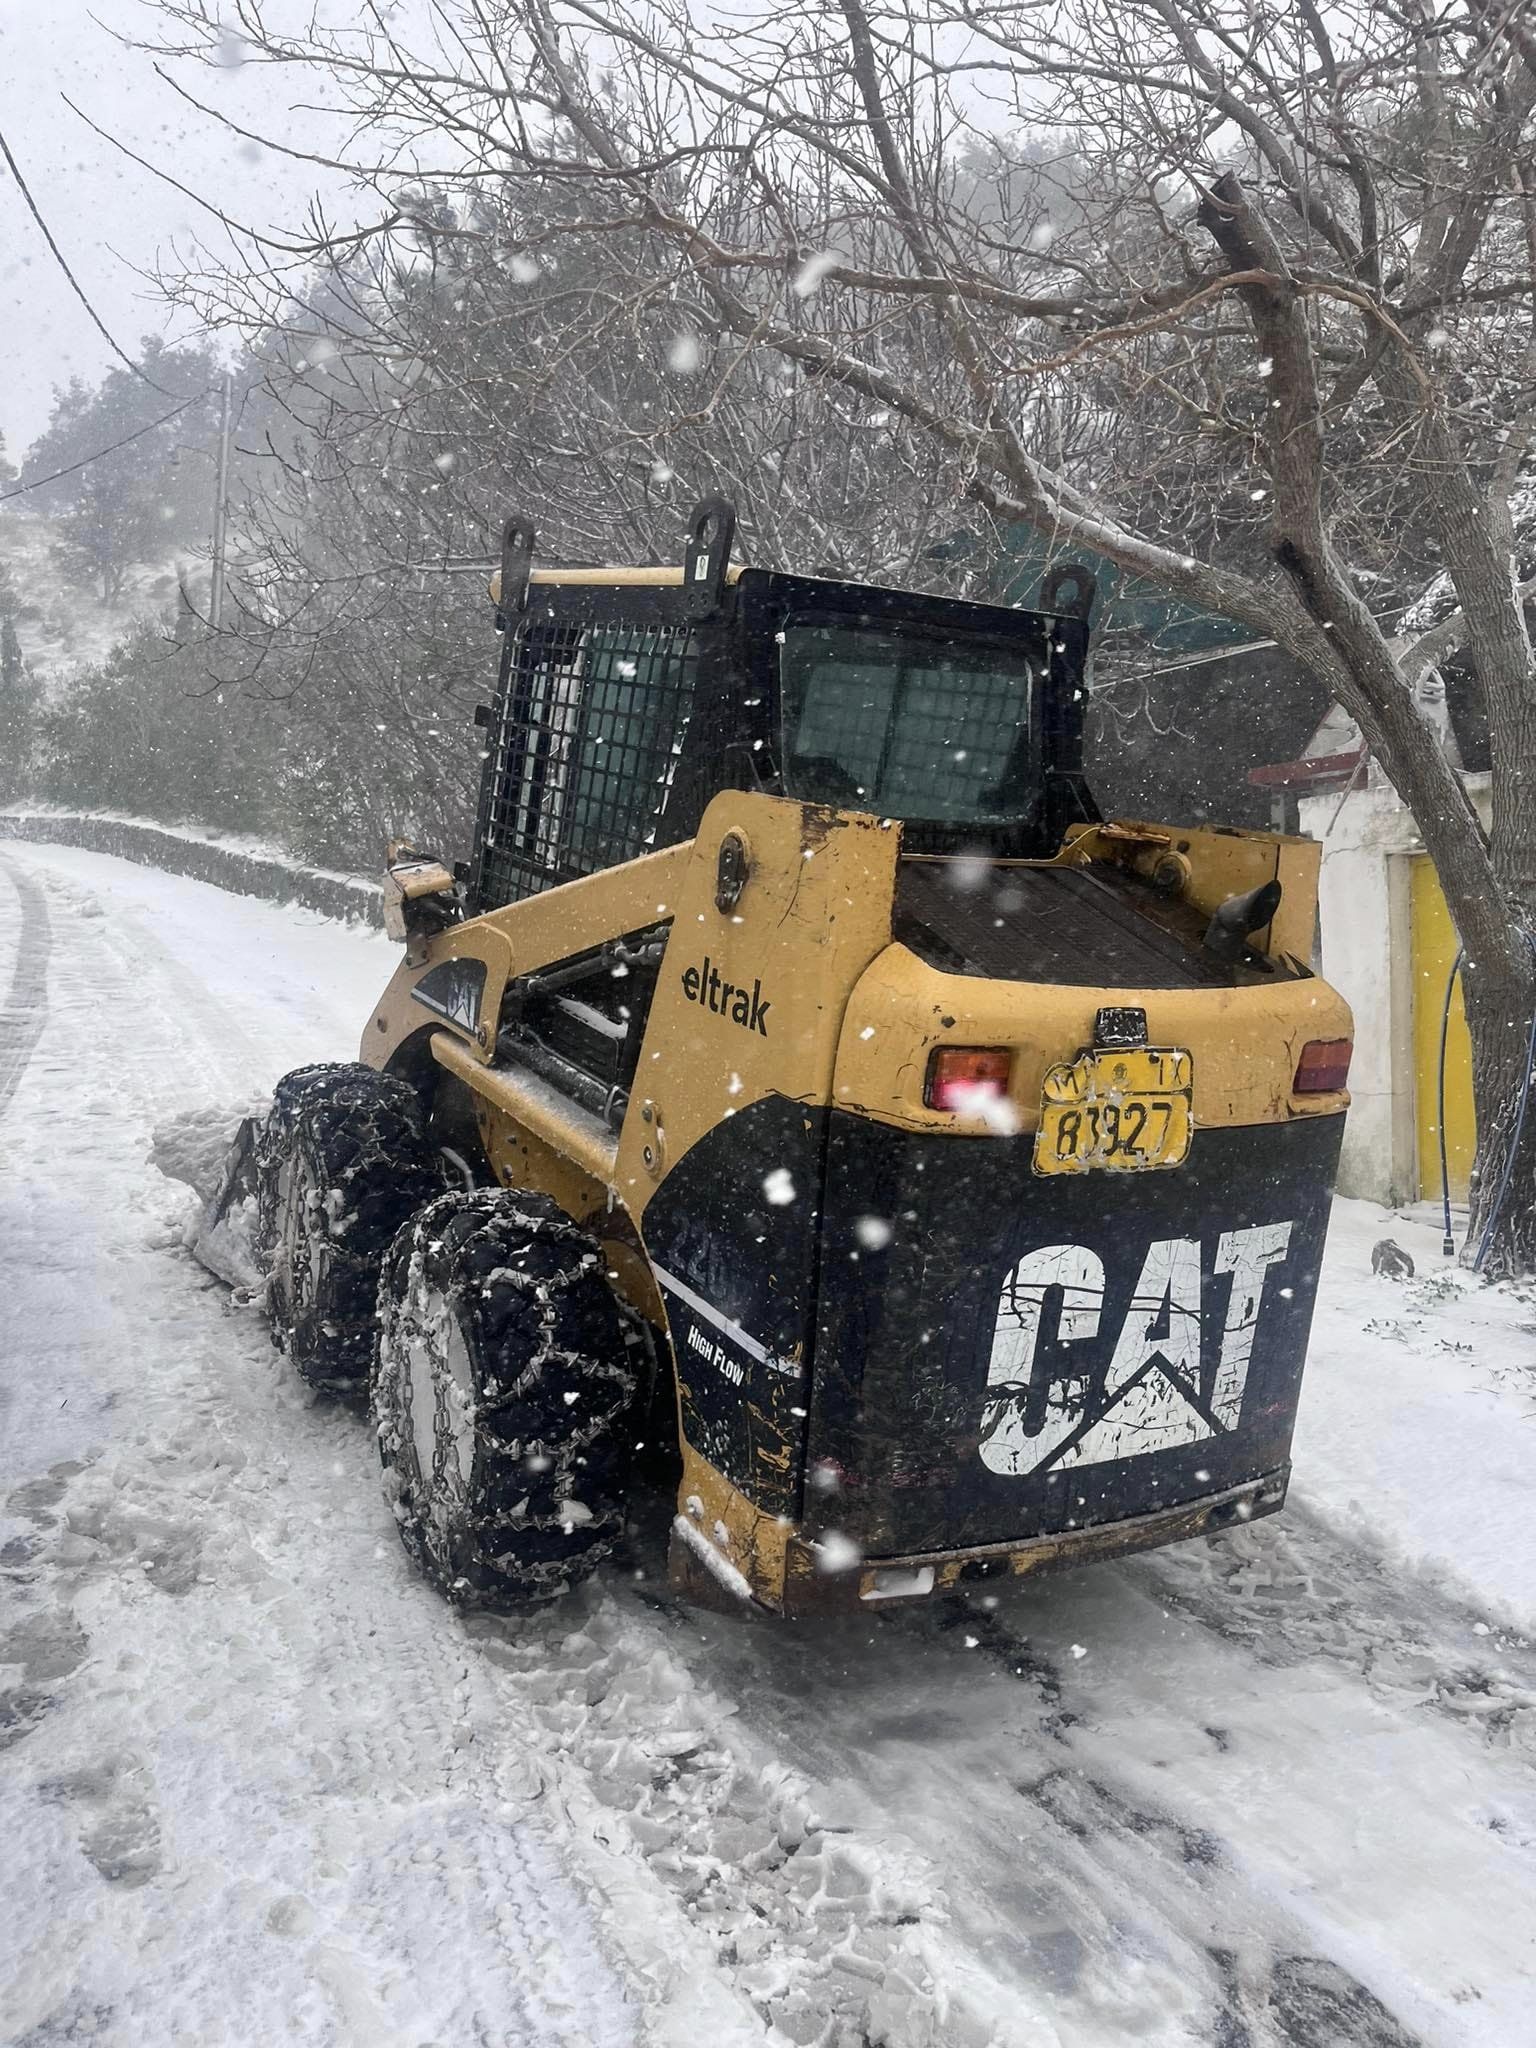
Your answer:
<point x="220" y="511"/>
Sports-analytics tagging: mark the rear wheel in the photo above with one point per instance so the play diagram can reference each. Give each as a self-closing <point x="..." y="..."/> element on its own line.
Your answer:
<point x="504" y="1396"/>
<point x="341" y="1162"/>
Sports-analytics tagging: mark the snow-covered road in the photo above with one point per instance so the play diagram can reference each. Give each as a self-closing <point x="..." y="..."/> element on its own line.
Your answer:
<point x="257" y="1785"/>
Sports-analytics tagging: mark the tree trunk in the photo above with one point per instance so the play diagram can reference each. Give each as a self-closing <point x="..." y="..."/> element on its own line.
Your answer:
<point x="1503" y="1202"/>
<point x="1490" y="888"/>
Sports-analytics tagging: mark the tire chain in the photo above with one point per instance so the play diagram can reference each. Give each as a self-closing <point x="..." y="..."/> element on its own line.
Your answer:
<point x="370" y="1119"/>
<point x="551" y="1454"/>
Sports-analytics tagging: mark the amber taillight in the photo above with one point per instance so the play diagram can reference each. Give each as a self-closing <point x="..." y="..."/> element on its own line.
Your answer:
<point x="965" y="1078"/>
<point x="1323" y="1068"/>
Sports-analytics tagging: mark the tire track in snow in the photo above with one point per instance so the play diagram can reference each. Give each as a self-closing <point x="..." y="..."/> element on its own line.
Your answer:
<point x="269" y="1768"/>
<point x="1294" y="1591"/>
<point x="26" y="1007"/>
<point x="1160" y="1835"/>
<point x="1277" y="1993"/>
<point x="1115" y="1893"/>
<point x="835" y="1933"/>
<point x="308" y="1778"/>
<point x="775" y="1918"/>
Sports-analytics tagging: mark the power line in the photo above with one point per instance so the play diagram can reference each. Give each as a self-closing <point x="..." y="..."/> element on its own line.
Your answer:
<point x="21" y="186"/>
<point x="38" y="481"/>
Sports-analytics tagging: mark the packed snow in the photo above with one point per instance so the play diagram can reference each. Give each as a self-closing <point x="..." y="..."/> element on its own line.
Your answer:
<point x="258" y="1785"/>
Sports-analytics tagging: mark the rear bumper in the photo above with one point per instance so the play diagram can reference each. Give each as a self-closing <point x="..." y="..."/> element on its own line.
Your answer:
<point x="809" y="1590"/>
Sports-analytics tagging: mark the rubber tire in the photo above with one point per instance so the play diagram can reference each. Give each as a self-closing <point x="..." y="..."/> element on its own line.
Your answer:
<point x="498" y="1306"/>
<point x="341" y="1161"/>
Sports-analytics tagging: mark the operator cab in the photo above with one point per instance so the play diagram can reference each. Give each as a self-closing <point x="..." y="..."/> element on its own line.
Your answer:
<point x="623" y="709"/>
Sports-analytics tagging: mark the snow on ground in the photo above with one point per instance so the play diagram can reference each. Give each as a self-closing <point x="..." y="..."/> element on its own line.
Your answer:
<point x="258" y="1785"/>
<point x="1420" y="1431"/>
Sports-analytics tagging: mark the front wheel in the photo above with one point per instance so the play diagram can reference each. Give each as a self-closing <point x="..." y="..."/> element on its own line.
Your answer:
<point x="504" y="1396"/>
<point x="341" y="1162"/>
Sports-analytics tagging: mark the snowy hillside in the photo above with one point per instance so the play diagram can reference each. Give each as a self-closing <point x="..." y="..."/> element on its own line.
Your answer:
<point x="63" y="625"/>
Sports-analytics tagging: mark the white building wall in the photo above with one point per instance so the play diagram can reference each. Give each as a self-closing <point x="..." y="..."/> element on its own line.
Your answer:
<point x="1363" y="905"/>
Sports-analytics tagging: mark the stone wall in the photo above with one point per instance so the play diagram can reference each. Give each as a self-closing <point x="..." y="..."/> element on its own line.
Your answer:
<point x="244" y="874"/>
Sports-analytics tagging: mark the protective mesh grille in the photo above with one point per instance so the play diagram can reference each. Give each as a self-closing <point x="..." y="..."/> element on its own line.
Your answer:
<point x="585" y="748"/>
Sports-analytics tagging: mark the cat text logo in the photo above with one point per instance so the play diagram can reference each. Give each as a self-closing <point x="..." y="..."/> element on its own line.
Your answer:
<point x="1157" y="1390"/>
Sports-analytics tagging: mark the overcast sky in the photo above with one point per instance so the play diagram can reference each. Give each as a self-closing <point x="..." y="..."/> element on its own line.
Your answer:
<point x="109" y="217"/>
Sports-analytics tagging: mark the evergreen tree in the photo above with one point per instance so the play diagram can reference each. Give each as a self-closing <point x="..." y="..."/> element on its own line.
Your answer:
<point x="149" y="495"/>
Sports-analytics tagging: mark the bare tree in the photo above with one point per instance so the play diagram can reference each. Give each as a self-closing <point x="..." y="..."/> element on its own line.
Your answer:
<point x="1293" y="246"/>
<point x="420" y="386"/>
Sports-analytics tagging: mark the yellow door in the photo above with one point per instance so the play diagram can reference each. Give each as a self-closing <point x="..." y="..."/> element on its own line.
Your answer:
<point x="1432" y="950"/>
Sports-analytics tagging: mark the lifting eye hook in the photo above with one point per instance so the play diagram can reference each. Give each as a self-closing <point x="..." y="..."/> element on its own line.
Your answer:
<point x="733" y="866"/>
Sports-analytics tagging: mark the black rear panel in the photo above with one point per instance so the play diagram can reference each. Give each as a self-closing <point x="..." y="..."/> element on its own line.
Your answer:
<point x="1028" y="1355"/>
<point x="965" y="1353"/>
<point x="732" y="1235"/>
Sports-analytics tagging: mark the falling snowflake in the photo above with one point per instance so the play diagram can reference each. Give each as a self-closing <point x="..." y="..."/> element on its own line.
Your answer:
<point x="836" y="1552"/>
<point x="808" y="277"/>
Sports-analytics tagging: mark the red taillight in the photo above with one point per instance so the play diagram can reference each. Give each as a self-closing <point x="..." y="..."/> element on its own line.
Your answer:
<point x="1323" y="1068"/>
<point x="963" y="1079"/>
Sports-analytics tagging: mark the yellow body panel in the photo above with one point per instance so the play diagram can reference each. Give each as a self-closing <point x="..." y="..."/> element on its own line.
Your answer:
<point x="1244" y="1042"/>
<point x="524" y="937"/>
<point x="398" y="1018"/>
<point x="1432" y="949"/>
<point x="1225" y="861"/>
<point x="754" y="1544"/>
<point x="663" y="578"/>
<point x="816" y="910"/>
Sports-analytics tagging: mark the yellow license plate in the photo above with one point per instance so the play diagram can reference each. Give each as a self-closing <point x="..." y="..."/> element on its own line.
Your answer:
<point x="1117" y="1110"/>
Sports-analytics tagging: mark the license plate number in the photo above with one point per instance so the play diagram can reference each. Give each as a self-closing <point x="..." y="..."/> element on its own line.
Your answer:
<point x="1120" y="1111"/>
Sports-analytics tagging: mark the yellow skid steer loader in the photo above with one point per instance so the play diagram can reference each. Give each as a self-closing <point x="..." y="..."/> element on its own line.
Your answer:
<point x="802" y="1070"/>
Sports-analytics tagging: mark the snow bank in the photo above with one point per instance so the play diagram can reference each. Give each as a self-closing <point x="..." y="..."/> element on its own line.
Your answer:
<point x="1417" y="1430"/>
<point x="194" y="1145"/>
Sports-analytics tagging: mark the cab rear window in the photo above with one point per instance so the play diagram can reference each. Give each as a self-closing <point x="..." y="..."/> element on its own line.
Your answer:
<point x="907" y="724"/>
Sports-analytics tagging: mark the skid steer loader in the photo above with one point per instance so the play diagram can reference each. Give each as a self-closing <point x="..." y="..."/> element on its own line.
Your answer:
<point x="802" y="1071"/>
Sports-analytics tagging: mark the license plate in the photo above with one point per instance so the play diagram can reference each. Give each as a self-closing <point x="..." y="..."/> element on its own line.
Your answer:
<point x="1117" y="1110"/>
